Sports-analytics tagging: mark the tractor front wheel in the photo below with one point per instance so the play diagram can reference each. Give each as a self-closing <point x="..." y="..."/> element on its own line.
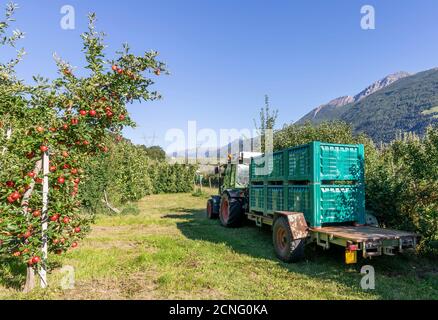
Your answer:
<point x="230" y="213"/>
<point x="286" y="248"/>
<point x="210" y="214"/>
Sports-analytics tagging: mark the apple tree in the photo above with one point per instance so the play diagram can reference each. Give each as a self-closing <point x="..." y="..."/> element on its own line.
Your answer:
<point x="67" y="120"/>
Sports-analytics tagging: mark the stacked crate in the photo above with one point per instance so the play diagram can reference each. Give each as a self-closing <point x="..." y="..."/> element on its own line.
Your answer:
<point x="324" y="181"/>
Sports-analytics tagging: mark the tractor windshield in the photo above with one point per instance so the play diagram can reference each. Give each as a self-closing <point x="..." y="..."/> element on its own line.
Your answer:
<point x="242" y="176"/>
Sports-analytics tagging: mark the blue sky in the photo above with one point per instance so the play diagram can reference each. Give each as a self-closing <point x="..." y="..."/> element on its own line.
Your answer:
<point x="224" y="56"/>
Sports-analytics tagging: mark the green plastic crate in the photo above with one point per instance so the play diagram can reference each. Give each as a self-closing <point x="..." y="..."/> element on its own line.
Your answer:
<point x="253" y="176"/>
<point x="275" y="198"/>
<point x="318" y="161"/>
<point x="313" y="162"/>
<point x="322" y="204"/>
<point x="274" y="170"/>
<point x="257" y="198"/>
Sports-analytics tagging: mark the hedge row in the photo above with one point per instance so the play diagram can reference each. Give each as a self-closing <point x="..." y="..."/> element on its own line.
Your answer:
<point x="127" y="173"/>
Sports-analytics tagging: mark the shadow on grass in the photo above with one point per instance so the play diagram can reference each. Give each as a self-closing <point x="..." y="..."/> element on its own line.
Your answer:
<point x="13" y="272"/>
<point x="325" y="265"/>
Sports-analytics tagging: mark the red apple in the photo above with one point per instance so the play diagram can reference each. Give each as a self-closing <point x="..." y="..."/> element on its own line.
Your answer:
<point x="30" y="155"/>
<point x="15" y="195"/>
<point x="35" y="260"/>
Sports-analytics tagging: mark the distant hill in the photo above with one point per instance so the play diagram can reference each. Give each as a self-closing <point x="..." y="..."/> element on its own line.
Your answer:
<point x="398" y="102"/>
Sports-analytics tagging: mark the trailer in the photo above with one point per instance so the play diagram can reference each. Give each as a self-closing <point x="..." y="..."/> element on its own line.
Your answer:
<point x="314" y="193"/>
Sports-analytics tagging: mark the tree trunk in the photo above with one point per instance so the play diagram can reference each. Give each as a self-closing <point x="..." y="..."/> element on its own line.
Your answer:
<point x="30" y="280"/>
<point x="109" y="206"/>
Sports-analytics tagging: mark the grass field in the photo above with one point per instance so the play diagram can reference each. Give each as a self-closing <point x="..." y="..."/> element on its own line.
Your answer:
<point x="171" y="251"/>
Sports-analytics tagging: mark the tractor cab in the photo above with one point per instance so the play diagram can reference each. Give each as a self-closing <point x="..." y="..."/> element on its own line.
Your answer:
<point x="235" y="173"/>
<point x="232" y="201"/>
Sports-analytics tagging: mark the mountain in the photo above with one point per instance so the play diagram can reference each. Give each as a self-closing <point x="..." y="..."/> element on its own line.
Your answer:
<point x="380" y="84"/>
<point x="398" y="102"/>
<point x="325" y="110"/>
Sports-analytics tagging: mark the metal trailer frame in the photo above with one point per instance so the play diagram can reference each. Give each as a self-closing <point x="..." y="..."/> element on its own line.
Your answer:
<point x="368" y="240"/>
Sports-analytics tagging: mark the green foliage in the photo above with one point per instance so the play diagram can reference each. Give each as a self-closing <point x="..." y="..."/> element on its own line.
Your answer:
<point x="294" y="135"/>
<point x="267" y="120"/>
<point x="155" y="152"/>
<point x="402" y="188"/>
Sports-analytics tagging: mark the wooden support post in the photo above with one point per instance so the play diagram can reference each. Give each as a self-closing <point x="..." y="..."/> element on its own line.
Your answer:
<point x="44" y="220"/>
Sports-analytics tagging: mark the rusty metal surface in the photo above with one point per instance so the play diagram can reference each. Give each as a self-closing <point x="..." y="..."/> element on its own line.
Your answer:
<point x="363" y="233"/>
<point x="297" y="224"/>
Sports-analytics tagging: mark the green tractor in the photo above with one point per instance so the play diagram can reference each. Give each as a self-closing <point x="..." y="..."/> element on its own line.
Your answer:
<point x="231" y="203"/>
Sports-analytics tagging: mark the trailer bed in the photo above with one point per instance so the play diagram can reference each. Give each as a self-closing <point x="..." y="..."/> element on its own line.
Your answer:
<point x="372" y="241"/>
<point x="363" y="233"/>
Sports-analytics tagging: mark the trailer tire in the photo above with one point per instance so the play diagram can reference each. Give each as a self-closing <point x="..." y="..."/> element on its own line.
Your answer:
<point x="286" y="248"/>
<point x="230" y="212"/>
<point x="209" y="210"/>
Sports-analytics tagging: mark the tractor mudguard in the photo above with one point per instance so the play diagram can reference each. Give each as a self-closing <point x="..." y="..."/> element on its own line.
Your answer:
<point x="235" y="193"/>
<point x="297" y="223"/>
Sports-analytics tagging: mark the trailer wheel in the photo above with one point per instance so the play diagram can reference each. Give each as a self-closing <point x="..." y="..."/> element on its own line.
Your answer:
<point x="286" y="249"/>
<point x="210" y="214"/>
<point x="230" y="212"/>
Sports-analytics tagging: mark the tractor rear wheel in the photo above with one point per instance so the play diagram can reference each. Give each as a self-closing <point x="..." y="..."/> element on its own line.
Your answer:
<point x="286" y="248"/>
<point x="230" y="213"/>
<point x="210" y="214"/>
